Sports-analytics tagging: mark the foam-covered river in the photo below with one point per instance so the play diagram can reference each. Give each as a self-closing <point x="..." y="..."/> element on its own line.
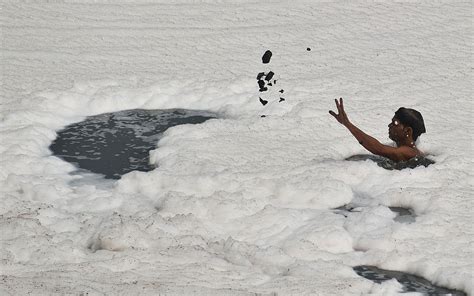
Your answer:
<point x="260" y="199"/>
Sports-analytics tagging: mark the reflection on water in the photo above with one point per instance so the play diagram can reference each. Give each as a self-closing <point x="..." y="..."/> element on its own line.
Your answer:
<point x="390" y="164"/>
<point x="113" y="144"/>
<point x="410" y="282"/>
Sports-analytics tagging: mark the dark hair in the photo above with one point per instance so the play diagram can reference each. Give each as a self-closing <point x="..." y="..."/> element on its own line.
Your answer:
<point x="413" y="119"/>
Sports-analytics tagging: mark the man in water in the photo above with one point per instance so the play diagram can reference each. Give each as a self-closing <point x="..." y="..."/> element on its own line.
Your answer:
<point x="406" y="126"/>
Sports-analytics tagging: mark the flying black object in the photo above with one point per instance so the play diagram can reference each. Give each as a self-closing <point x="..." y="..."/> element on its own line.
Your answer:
<point x="261" y="85"/>
<point x="266" y="57"/>
<point x="269" y="76"/>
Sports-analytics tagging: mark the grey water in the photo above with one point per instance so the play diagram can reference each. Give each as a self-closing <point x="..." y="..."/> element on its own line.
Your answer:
<point x="392" y="165"/>
<point x="404" y="215"/>
<point x="113" y="144"/>
<point x="410" y="282"/>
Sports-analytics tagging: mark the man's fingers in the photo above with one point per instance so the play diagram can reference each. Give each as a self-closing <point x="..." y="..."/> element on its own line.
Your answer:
<point x="332" y="113"/>
<point x="338" y="106"/>
<point x="341" y="103"/>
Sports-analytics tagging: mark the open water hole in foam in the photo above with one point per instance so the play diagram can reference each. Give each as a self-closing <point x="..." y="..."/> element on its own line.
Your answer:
<point x="410" y="282"/>
<point x="392" y="165"/>
<point x="113" y="144"/>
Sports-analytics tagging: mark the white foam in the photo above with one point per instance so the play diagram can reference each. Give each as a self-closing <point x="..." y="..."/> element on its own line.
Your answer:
<point x="241" y="204"/>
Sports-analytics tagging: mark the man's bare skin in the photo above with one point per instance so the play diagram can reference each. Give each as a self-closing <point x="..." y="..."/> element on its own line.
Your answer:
<point x="400" y="134"/>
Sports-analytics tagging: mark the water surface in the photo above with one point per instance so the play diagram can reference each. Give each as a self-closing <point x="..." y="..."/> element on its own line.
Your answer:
<point x="392" y="165"/>
<point x="113" y="144"/>
<point x="410" y="282"/>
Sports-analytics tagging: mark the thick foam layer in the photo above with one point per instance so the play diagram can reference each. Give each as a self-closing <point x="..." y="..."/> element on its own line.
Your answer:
<point x="242" y="205"/>
<point x="114" y="144"/>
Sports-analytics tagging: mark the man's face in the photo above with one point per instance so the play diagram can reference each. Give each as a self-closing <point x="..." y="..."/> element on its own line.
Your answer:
<point x="395" y="129"/>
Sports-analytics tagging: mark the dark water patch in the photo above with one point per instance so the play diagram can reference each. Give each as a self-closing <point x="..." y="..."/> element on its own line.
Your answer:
<point x="113" y="144"/>
<point x="392" y="165"/>
<point x="405" y="215"/>
<point x="410" y="282"/>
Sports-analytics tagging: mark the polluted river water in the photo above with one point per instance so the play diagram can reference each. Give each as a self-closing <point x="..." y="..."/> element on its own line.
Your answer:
<point x="243" y="204"/>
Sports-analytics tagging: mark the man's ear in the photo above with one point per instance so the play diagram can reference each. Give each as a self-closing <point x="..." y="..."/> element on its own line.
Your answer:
<point x="408" y="131"/>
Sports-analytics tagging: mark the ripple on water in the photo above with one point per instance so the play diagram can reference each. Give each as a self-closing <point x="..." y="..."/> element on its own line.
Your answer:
<point x="113" y="144"/>
<point x="410" y="282"/>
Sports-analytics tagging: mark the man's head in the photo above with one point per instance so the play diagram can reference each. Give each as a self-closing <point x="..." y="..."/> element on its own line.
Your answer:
<point x="406" y="122"/>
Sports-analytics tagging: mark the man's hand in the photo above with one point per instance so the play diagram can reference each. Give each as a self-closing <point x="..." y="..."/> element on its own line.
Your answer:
<point x="341" y="116"/>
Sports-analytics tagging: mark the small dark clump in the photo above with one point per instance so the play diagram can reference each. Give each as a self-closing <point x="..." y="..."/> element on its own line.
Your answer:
<point x="266" y="57"/>
<point x="281" y="100"/>
<point x="263" y="116"/>
<point x="282" y="91"/>
<point x="260" y="75"/>
<point x="308" y="49"/>
<point x="269" y="76"/>
<point x="264" y="102"/>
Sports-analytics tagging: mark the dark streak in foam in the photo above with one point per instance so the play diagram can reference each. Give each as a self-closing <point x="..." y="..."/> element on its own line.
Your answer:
<point x="404" y="215"/>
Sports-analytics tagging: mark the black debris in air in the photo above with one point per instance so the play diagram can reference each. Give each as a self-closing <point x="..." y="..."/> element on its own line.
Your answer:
<point x="261" y="85"/>
<point x="266" y="57"/>
<point x="281" y="100"/>
<point x="262" y="101"/>
<point x="282" y="91"/>
<point x="260" y="75"/>
<point x="308" y="49"/>
<point x="269" y="76"/>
